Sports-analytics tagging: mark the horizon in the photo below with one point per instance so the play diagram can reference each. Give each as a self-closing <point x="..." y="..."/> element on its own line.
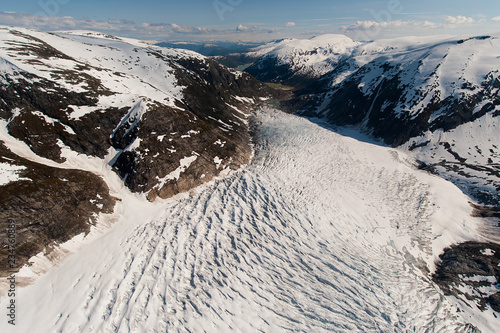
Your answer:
<point x="255" y="21"/>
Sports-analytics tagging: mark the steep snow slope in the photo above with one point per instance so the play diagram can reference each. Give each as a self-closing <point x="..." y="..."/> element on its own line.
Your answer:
<point x="321" y="233"/>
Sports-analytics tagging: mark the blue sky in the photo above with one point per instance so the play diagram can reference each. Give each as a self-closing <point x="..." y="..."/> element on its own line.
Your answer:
<point x="256" y="20"/>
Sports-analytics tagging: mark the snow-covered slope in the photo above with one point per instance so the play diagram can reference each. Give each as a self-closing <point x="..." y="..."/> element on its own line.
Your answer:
<point x="468" y="155"/>
<point x="321" y="233"/>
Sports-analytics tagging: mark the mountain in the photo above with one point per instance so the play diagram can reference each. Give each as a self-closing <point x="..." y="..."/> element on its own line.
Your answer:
<point x="437" y="97"/>
<point x="76" y="106"/>
<point x="297" y="62"/>
<point x="324" y="229"/>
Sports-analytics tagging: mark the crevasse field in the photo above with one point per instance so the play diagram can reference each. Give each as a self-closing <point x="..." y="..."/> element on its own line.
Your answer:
<point x="321" y="233"/>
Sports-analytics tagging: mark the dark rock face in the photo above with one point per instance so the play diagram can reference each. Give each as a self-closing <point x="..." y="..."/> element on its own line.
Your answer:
<point x="475" y="267"/>
<point x="47" y="205"/>
<point x="167" y="136"/>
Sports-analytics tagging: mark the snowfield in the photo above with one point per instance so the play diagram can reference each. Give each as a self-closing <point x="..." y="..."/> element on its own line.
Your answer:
<point x="320" y="233"/>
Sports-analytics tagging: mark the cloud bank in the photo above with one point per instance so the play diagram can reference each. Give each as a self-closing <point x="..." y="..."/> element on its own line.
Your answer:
<point x="449" y="22"/>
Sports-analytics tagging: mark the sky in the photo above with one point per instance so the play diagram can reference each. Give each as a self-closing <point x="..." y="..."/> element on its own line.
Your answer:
<point x="256" y="20"/>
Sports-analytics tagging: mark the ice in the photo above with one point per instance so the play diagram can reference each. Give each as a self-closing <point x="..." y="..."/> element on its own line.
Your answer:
<point x="321" y="233"/>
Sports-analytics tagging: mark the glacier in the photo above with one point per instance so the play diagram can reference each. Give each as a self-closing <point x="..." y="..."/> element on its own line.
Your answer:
<point x="322" y="232"/>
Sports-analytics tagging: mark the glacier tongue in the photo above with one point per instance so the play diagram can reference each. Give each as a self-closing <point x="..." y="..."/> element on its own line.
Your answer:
<point x="320" y="233"/>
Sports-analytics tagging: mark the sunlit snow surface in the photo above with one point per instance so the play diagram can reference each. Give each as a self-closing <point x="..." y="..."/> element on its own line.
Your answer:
<point x="319" y="234"/>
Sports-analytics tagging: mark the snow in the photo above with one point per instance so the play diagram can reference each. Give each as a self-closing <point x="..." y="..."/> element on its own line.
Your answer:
<point x="322" y="232"/>
<point x="10" y="173"/>
<point x="53" y="121"/>
<point x="488" y="252"/>
<point x="437" y="67"/>
<point x="174" y="175"/>
<point x="217" y="161"/>
<point x="133" y="117"/>
<point x="220" y="143"/>
<point x="80" y="111"/>
<point x="6" y="67"/>
<point x="479" y="278"/>
<point x="221" y="122"/>
<point x="189" y="133"/>
<point x="489" y="285"/>
<point x="477" y="142"/>
<point x="428" y="68"/>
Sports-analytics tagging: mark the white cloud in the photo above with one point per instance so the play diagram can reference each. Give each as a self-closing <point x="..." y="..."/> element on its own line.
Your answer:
<point x="375" y="25"/>
<point x="290" y="24"/>
<point x="457" y="21"/>
<point x="496" y="18"/>
<point x="126" y="21"/>
<point x="188" y="29"/>
<point x="60" y="23"/>
<point x="242" y="28"/>
<point x="122" y="27"/>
